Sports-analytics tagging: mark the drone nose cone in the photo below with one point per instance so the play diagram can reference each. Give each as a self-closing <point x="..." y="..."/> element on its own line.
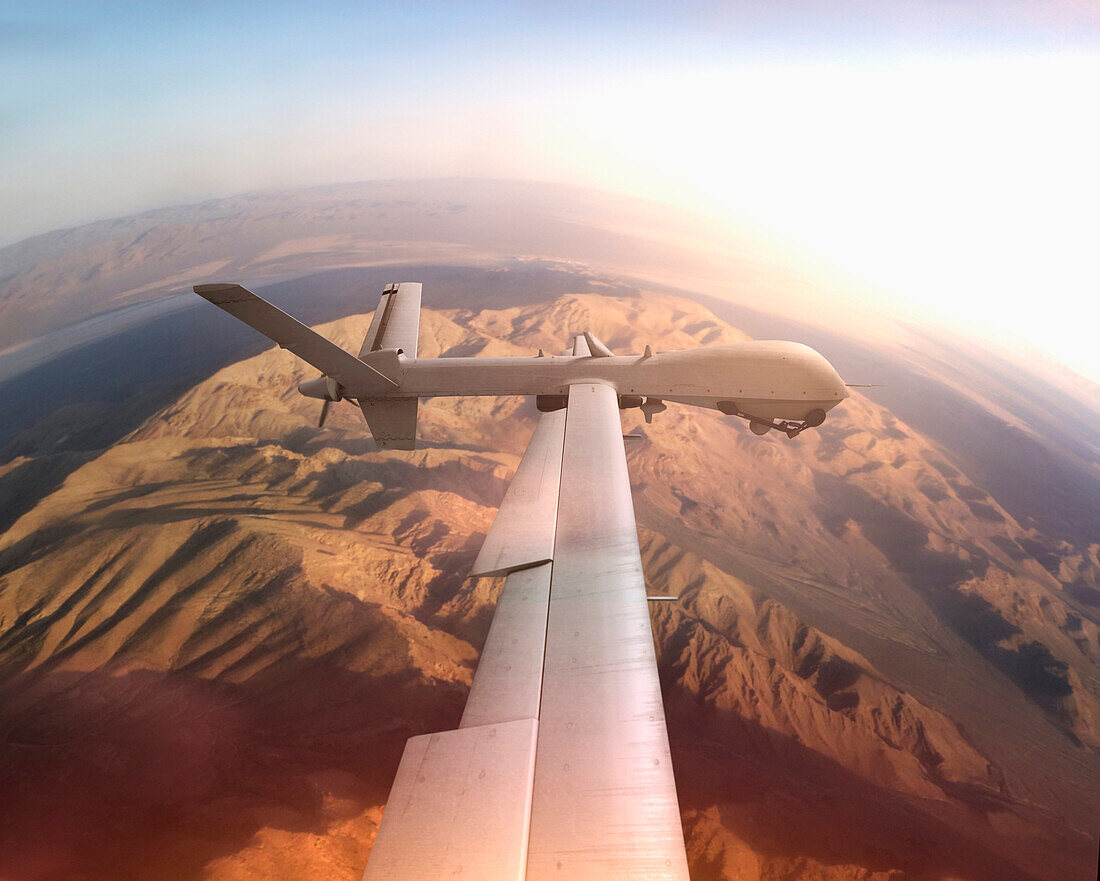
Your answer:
<point x="828" y="380"/>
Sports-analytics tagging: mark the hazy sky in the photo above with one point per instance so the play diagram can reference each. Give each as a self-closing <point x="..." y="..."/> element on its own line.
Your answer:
<point x="945" y="152"/>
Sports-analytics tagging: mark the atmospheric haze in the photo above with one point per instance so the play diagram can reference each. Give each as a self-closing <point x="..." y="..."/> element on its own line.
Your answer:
<point x="940" y="155"/>
<point x="219" y="623"/>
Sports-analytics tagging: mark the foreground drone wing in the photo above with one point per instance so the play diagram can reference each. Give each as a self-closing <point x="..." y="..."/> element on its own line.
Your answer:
<point x="560" y="767"/>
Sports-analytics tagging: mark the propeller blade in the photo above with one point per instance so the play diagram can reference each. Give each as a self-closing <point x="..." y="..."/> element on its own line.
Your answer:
<point x="324" y="413"/>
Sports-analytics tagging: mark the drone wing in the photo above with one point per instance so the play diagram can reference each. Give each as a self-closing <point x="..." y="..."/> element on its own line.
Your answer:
<point x="560" y="767"/>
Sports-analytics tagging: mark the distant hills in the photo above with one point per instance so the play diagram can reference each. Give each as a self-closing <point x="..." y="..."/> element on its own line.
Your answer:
<point x="56" y="279"/>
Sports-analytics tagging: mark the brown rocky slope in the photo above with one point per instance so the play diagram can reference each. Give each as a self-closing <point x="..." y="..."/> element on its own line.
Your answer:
<point x="216" y="635"/>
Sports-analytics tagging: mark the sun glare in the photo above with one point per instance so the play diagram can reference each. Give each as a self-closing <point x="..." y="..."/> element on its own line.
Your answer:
<point x="962" y="190"/>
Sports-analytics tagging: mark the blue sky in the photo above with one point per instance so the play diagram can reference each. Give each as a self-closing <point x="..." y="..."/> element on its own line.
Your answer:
<point x="943" y="151"/>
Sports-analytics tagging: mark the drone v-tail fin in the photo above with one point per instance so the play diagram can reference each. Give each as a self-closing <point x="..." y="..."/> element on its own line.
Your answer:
<point x="392" y="421"/>
<point x="396" y="322"/>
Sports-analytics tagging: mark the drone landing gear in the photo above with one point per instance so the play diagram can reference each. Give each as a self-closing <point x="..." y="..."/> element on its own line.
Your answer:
<point x="760" y="426"/>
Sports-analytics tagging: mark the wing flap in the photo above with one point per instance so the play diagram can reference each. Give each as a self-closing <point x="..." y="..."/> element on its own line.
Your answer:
<point x="459" y="806"/>
<point x="509" y="673"/>
<point x="522" y="533"/>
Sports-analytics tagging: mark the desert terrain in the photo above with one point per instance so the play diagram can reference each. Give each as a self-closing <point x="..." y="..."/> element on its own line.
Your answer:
<point x="219" y="623"/>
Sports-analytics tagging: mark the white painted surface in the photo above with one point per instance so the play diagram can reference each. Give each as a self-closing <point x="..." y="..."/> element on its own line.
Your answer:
<point x="769" y="379"/>
<point x="509" y="673"/>
<point x="785" y="379"/>
<point x="523" y="530"/>
<point x="459" y="807"/>
<point x="396" y="321"/>
<point x="294" y="336"/>
<point x="604" y="804"/>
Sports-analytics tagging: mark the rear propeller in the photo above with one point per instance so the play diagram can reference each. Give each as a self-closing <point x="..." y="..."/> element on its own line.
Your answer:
<point x="327" y="389"/>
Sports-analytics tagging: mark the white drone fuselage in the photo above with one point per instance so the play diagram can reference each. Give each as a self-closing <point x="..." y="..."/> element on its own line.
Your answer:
<point x="771" y="379"/>
<point x="774" y="385"/>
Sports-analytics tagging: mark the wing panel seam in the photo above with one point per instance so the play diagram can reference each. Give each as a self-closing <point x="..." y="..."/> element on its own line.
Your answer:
<point x="545" y="639"/>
